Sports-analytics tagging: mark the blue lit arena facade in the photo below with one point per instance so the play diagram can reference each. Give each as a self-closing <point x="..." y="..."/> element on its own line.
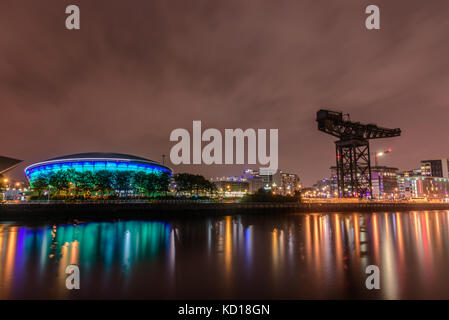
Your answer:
<point x="95" y="162"/>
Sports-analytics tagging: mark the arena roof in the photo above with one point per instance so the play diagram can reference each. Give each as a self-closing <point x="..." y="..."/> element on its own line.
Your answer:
<point x="101" y="155"/>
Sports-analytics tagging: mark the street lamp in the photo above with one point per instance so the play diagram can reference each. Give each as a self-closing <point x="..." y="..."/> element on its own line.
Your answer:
<point x="380" y="154"/>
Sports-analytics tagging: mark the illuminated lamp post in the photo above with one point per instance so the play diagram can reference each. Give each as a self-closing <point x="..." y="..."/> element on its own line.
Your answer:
<point x="380" y="154"/>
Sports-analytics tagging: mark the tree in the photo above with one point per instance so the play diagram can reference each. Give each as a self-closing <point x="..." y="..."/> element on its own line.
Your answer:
<point x="41" y="183"/>
<point x="104" y="181"/>
<point x="140" y="178"/>
<point x="2" y="183"/>
<point x="263" y="195"/>
<point x="192" y="184"/>
<point x="298" y="195"/>
<point x="162" y="182"/>
<point x="85" y="181"/>
<point x="150" y="183"/>
<point x="59" y="180"/>
<point x="211" y="187"/>
<point x="183" y="182"/>
<point x="201" y="184"/>
<point x="122" y="181"/>
<point x="72" y="175"/>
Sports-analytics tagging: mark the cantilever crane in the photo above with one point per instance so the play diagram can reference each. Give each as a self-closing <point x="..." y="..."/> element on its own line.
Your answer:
<point x="352" y="151"/>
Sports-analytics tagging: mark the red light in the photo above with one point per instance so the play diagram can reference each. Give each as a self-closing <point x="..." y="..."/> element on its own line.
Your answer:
<point x="389" y="150"/>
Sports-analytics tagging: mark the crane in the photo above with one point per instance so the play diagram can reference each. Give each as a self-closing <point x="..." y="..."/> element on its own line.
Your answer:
<point x="352" y="150"/>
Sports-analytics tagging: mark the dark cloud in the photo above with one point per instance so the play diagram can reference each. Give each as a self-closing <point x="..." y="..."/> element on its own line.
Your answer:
<point x="139" y="69"/>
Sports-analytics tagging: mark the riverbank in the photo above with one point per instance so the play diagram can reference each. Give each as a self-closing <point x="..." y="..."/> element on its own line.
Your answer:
<point x="182" y="208"/>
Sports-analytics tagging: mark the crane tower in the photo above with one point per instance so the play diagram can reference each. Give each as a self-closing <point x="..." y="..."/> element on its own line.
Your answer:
<point x="352" y="150"/>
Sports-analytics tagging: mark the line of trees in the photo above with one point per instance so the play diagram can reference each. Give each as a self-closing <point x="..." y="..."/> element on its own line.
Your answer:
<point x="102" y="182"/>
<point x="193" y="185"/>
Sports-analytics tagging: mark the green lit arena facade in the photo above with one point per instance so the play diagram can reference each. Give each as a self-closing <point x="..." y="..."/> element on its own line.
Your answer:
<point x="113" y="163"/>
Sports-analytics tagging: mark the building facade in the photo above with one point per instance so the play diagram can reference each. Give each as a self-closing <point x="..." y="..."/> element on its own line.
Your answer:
<point x="384" y="182"/>
<point x="430" y="181"/>
<point x="323" y="189"/>
<point x="281" y="182"/>
<point x="425" y="187"/>
<point x="254" y="179"/>
<point x="232" y="188"/>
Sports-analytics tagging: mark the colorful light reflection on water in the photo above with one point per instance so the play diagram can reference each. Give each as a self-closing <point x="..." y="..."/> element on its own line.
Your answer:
<point x="271" y="256"/>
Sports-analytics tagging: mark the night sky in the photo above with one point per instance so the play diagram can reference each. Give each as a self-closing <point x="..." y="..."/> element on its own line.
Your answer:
<point x="139" y="69"/>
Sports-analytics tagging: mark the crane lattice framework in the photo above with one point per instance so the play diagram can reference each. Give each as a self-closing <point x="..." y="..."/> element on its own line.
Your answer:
<point x="352" y="150"/>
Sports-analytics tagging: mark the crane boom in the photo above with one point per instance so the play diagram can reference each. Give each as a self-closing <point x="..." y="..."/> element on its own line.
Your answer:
<point x="333" y="123"/>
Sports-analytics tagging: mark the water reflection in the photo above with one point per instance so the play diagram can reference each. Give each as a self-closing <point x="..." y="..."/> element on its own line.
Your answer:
<point x="290" y="256"/>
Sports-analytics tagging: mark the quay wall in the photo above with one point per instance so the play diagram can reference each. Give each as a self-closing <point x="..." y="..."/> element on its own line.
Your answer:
<point x="187" y="208"/>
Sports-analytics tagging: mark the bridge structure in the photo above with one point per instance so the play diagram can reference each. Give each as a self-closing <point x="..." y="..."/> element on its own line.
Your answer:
<point x="352" y="150"/>
<point x="7" y="164"/>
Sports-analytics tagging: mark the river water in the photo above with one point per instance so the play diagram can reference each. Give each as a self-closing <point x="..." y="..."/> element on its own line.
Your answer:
<point x="288" y="256"/>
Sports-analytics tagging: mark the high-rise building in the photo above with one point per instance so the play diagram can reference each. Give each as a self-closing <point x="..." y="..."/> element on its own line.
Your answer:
<point x="435" y="168"/>
<point x="281" y="182"/>
<point x="289" y="183"/>
<point x="269" y="179"/>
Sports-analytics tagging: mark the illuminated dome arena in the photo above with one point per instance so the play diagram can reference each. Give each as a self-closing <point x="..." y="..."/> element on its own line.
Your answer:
<point x="94" y="162"/>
